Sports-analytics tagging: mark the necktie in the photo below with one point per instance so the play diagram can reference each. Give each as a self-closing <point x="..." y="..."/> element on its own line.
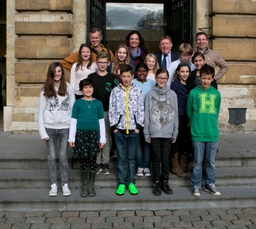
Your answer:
<point x="163" y="64"/>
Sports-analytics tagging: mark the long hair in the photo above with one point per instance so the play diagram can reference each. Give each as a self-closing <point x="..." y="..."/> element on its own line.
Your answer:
<point x="49" y="87"/>
<point x="176" y="76"/>
<point x="116" y="61"/>
<point x="156" y="62"/>
<point x="142" y="43"/>
<point x="80" y="59"/>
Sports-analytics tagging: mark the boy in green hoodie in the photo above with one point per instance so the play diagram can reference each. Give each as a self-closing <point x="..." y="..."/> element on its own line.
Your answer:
<point x="203" y="111"/>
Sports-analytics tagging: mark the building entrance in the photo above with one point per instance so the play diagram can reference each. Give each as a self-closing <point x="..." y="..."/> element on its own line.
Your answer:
<point x="152" y="18"/>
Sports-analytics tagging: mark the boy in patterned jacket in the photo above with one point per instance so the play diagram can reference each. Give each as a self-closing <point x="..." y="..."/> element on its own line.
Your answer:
<point x="126" y="117"/>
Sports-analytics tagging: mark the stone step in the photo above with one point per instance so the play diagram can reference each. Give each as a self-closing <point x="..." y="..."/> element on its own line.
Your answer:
<point x="39" y="179"/>
<point x="39" y="161"/>
<point x="106" y="199"/>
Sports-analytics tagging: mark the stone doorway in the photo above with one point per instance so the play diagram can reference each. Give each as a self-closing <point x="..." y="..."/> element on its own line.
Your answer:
<point x="152" y="18"/>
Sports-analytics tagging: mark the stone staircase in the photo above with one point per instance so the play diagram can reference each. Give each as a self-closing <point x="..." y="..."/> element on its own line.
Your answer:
<point x="24" y="182"/>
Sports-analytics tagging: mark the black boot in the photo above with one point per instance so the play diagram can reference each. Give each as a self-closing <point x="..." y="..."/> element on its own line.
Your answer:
<point x="91" y="183"/>
<point x="156" y="189"/>
<point x="166" y="187"/>
<point x="85" y="183"/>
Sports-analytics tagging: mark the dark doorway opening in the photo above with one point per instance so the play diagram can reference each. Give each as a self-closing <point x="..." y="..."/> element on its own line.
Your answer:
<point x="171" y="17"/>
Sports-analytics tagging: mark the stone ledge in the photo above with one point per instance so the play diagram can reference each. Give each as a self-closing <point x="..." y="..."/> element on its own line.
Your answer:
<point x="235" y="48"/>
<point x="233" y="76"/>
<point x="231" y="6"/>
<point x="234" y="25"/>
<point x="42" y="47"/>
<point x="43" y="5"/>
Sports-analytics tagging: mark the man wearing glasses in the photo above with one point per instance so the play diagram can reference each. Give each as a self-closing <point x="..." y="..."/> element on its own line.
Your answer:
<point x="185" y="52"/>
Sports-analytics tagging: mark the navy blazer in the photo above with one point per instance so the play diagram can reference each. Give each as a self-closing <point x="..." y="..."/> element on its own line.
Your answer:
<point x="174" y="56"/>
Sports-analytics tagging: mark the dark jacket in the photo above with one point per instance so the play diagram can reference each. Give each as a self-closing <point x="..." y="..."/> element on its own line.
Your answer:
<point x="174" y="56"/>
<point x="191" y="81"/>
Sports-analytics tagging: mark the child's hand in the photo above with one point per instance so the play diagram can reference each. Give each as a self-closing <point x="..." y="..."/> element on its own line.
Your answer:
<point x="173" y="140"/>
<point x="46" y="139"/>
<point x="101" y="145"/>
<point x="148" y="140"/>
<point x="137" y="131"/>
<point x="71" y="144"/>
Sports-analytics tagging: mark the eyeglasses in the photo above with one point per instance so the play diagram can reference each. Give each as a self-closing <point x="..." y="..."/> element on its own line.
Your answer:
<point x="103" y="63"/>
<point x="160" y="78"/>
<point x="185" y="56"/>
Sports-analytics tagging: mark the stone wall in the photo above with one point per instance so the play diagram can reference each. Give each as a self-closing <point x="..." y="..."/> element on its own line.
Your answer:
<point x="234" y="38"/>
<point x="38" y="33"/>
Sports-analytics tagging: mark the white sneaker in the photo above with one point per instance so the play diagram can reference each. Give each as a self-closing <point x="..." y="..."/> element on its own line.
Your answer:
<point x="147" y="172"/>
<point x="65" y="190"/>
<point x="54" y="190"/>
<point x="140" y="172"/>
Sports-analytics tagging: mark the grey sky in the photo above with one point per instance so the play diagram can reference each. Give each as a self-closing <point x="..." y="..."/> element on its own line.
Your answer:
<point x="124" y="16"/>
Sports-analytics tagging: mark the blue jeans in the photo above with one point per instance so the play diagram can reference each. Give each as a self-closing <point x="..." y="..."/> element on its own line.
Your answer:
<point x="126" y="145"/>
<point x="57" y="143"/>
<point x="143" y="152"/>
<point x="201" y="150"/>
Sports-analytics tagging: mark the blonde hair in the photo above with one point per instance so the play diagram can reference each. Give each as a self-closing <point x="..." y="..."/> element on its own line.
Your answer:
<point x="185" y="48"/>
<point x="116" y="60"/>
<point x="156" y="67"/>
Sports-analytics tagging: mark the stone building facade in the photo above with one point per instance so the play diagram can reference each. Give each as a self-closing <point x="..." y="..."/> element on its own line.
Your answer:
<point x="39" y="32"/>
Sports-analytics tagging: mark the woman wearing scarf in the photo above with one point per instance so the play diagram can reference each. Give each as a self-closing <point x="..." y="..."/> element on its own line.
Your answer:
<point x="137" y="47"/>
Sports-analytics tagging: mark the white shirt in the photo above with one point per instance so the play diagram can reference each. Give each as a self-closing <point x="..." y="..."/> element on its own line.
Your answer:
<point x="80" y="74"/>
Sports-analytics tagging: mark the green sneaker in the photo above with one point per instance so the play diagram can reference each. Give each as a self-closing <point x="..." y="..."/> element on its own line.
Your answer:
<point x="132" y="189"/>
<point x="120" y="189"/>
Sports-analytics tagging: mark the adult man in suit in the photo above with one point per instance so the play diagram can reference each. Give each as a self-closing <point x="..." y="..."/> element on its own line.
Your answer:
<point x="165" y="56"/>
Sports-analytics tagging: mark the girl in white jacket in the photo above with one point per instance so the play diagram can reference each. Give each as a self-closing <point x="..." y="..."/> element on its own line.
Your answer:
<point x="54" y="113"/>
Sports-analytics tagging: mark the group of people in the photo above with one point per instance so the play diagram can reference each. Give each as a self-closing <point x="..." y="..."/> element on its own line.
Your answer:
<point x="152" y="109"/>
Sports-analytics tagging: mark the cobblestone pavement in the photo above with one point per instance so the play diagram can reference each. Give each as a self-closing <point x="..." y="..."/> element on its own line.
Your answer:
<point x="235" y="218"/>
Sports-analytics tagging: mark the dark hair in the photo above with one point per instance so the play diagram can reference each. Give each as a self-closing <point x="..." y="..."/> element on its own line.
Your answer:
<point x="142" y="43"/>
<point x="141" y="65"/>
<point x="162" y="70"/>
<point x="126" y="68"/>
<point x="201" y="33"/>
<point x="80" y="59"/>
<point x="49" y="87"/>
<point x="86" y="82"/>
<point x="94" y="30"/>
<point x="176" y="77"/>
<point x="207" y="70"/>
<point x="196" y="54"/>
